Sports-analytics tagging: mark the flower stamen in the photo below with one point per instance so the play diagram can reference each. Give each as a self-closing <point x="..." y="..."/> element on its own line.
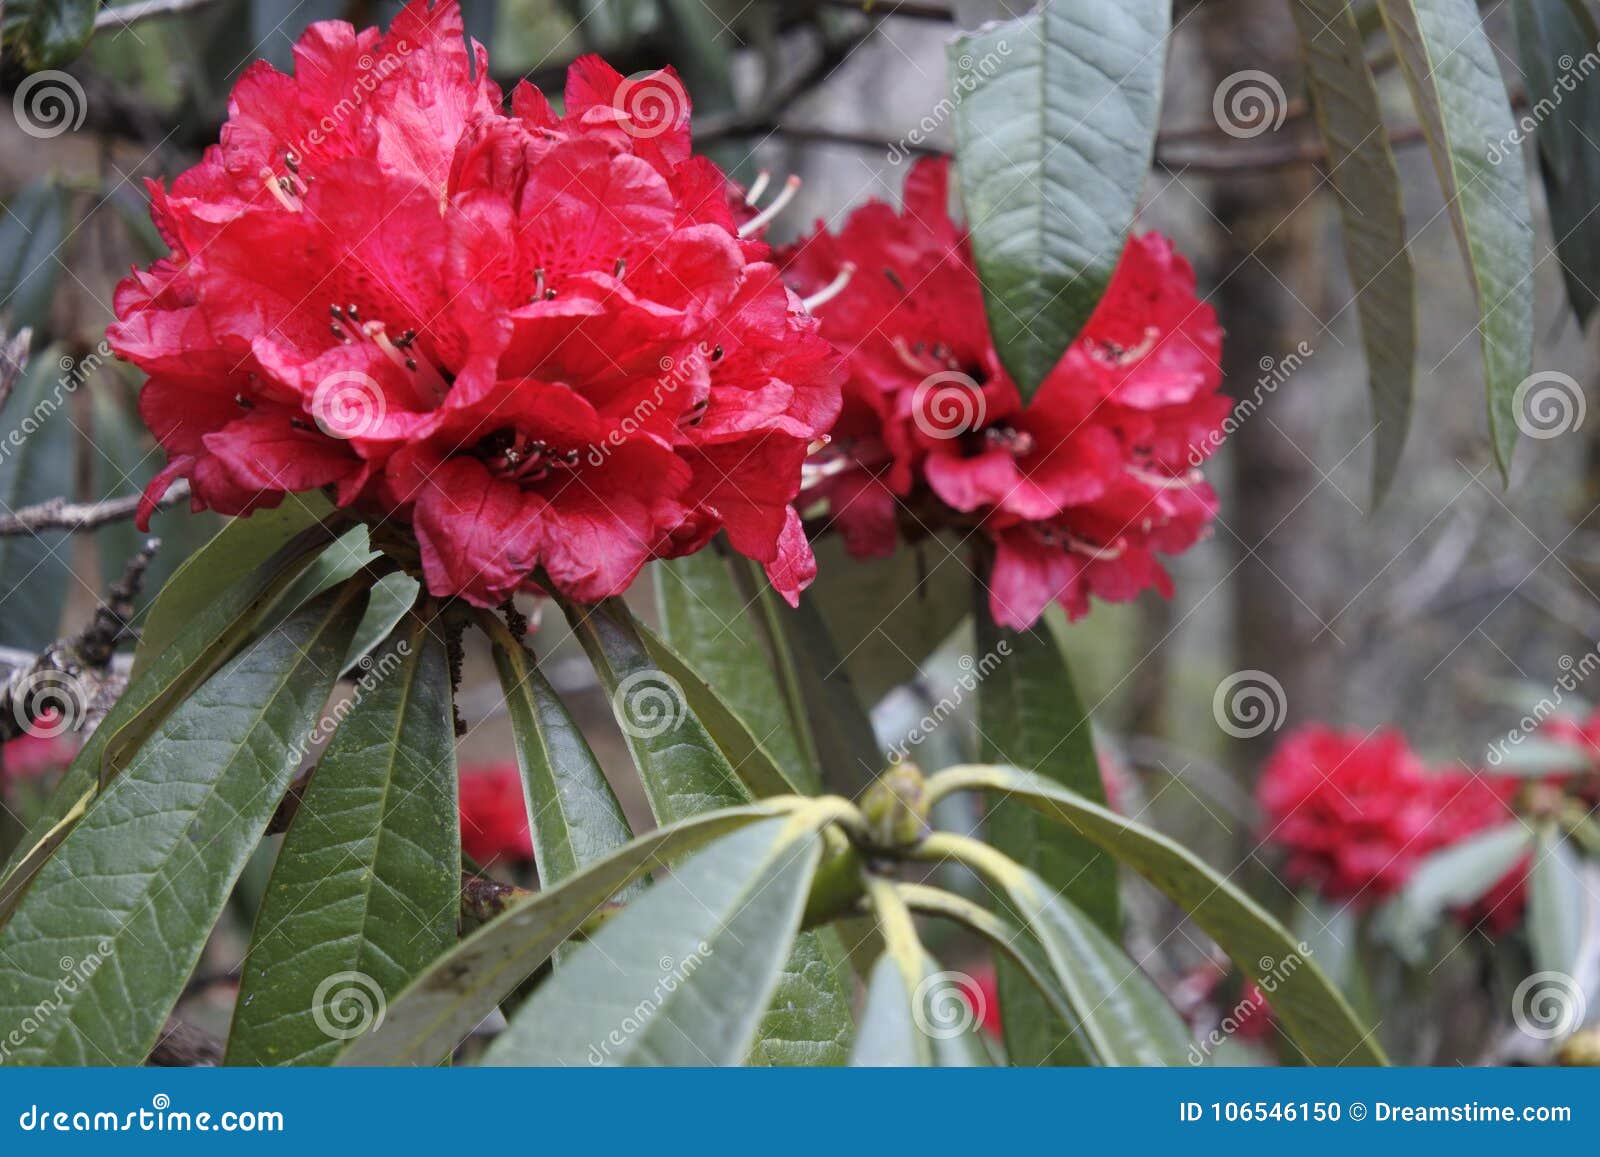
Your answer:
<point x="779" y="203"/>
<point x="831" y="290"/>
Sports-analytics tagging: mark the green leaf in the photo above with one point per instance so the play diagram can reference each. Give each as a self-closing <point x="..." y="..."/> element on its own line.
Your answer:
<point x="38" y="453"/>
<point x="341" y="559"/>
<point x="895" y="611"/>
<point x="49" y="33"/>
<point x="683" y="771"/>
<point x="1366" y="182"/>
<point x="1452" y="878"/>
<point x="453" y="996"/>
<point x="710" y="625"/>
<point x="573" y="815"/>
<point x="391" y="598"/>
<point x="32" y="230"/>
<point x="138" y="884"/>
<point x="683" y="975"/>
<point x="217" y="629"/>
<point x="1122" y="1016"/>
<point x="240" y="547"/>
<point x="1029" y="715"/>
<point x="1557" y="907"/>
<point x="1055" y="128"/>
<point x="1536" y="758"/>
<point x="888" y="1036"/>
<point x="847" y="748"/>
<point x="1310" y="1008"/>
<point x="810" y="1022"/>
<point x="1461" y="101"/>
<point x="1566" y="109"/>
<point x="366" y="888"/>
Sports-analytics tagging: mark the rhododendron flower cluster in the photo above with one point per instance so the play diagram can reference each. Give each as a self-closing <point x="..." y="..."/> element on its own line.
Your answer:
<point x="1080" y="487"/>
<point x="1357" y="813"/>
<point x="494" y="814"/>
<point x="538" y="340"/>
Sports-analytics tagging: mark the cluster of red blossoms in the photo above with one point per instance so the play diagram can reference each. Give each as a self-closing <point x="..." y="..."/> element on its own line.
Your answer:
<point x="1079" y="487"/>
<point x="539" y="340"/>
<point x="1357" y="813"/>
<point x="494" y="814"/>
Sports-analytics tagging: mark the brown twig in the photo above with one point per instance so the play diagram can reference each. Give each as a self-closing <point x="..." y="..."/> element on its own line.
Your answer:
<point x="182" y="1046"/>
<point x="60" y="514"/>
<point x="116" y="18"/>
<point x="13" y="360"/>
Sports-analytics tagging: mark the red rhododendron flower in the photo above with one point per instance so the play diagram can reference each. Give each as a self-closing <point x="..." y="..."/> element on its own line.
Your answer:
<point x="1358" y="813"/>
<point x="31" y="756"/>
<point x="982" y="995"/>
<point x="494" y="814"/>
<point x="538" y="340"/>
<point x="1080" y="487"/>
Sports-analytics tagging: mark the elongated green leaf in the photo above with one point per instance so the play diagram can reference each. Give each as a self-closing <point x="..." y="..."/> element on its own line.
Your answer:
<point x="340" y="559"/>
<point x="809" y="1023"/>
<point x="1054" y="132"/>
<point x="1452" y="878"/>
<point x="31" y="231"/>
<point x="48" y="33"/>
<point x="1310" y="1008"/>
<point x="894" y="611"/>
<point x="573" y="815"/>
<point x="1122" y="1016"/>
<point x="712" y="627"/>
<point x="38" y="446"/>
<point x="1362" y="169"/>
<point x="365" y="891"/>
<point x="453" y="996"/>
<point x="391" y="597"/>
<point x="215" y="631"/>
<point x="683" y="770"/>
<point x="847" y="748"/>
<point x="684" y="974"/>
<point x="1461" y="102"/>
<point x="749" y="757"/>
<point x="888" y="1037"/>
<point x="1551" y="36"/>
<point x="1557" y="906"/>
<point x="1029" y="716"/>
<point x="139" y="882"/>
<point x="241" y="546"/>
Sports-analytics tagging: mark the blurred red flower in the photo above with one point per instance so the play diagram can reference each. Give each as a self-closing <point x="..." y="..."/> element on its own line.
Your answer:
<point x="537" y="339"/>
<point x="494" y="814"/>
<point x="31" y="756"/>
<point x="1078" y="488"/>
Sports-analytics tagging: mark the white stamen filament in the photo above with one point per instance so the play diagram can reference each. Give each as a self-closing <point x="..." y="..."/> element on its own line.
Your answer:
<point x="753" y="197"/>
<point x="831" y="290"/>
<point x="779" y="203"/>
<point x="270" y="180"/>
<point x="1098" y="553"/>
<point x="910" y="359"/>
<point x="410" y="363"/>
<point x="1183" y="481"/>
